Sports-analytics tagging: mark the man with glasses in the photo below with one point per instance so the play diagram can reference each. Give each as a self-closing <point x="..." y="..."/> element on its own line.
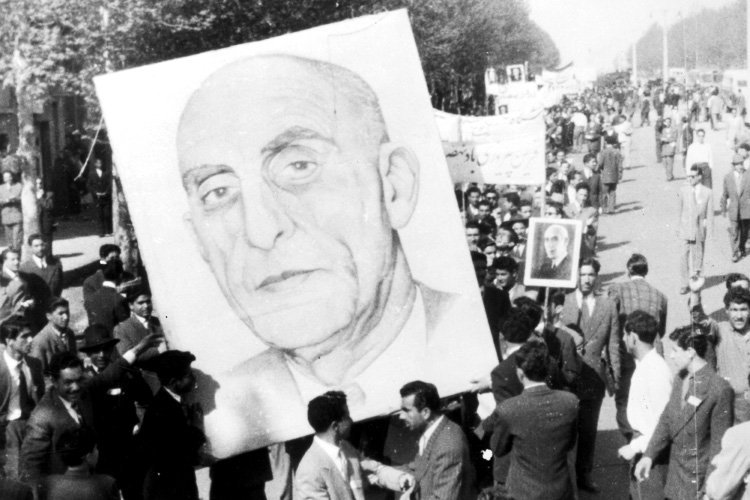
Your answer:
<point x="694" y="225"/>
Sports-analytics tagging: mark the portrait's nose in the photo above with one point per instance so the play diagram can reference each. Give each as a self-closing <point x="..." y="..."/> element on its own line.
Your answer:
<point x="265" y="218"/>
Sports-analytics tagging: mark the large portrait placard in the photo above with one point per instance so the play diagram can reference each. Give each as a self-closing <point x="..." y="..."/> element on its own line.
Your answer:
<point x="297" y="219"/>
<point x="554" y="248"/>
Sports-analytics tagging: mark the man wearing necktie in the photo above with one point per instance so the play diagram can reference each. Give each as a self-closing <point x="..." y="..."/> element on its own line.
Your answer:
<point x="595" y="316"/>
<point x="43" y="273"/>
<point x="21" y="387"/>
<point x="331" y="468"/>
<point x="140" y="323"/>
<point x="55" y="337"/>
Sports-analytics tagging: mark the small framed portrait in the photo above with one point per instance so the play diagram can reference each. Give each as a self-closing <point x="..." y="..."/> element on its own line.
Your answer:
<point x="554" y="248"/>
<point x="516" y="73"/>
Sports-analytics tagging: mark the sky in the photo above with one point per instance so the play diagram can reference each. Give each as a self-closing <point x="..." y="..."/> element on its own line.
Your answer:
<point x="593" y="33"/>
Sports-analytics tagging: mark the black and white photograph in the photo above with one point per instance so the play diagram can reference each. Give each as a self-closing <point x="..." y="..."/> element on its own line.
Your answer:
<point x="555" y="248"/>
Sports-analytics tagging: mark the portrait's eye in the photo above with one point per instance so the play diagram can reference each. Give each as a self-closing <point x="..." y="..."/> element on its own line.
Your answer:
<point x="218" y="190"/>
<point x="294" y="166"/>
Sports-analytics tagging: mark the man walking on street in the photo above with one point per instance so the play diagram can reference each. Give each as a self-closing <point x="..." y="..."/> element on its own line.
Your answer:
<point x="611" y="162"/>
<point x="735" y="204"/>
<point x="668" y="144"/>
<point x="694" y="225"/>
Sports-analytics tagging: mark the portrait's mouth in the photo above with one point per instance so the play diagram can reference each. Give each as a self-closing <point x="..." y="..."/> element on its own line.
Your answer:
<point x="285" y="280"/>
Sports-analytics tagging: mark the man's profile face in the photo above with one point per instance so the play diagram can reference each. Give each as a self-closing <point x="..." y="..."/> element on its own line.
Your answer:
<point x="12" y="261"/>
<point x="555" y="242"/>
<point x="473" y="198"/>
<point x="22" y="343"/>
<point x="504" y="278"/>
<point x="526" y="211"/>
<point x="483" y="210"/>
<point x="59" y="317"/>
<point x="414" y="419"/>
<point x="582" y="196"/>
<point x="283" y="177"/>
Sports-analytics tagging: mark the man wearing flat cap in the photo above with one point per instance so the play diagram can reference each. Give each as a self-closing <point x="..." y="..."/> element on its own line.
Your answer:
<point x="735" y="204"/>
<point x="116" y="410"/>
<point x="170" y="434"/>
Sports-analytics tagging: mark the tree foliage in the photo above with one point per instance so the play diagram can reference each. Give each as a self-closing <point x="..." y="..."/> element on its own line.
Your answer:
<point x="709" y="39"/>
<point x="66" y="42"/>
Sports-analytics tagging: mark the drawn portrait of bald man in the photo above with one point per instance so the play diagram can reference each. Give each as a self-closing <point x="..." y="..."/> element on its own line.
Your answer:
<point x="296" y="194"/>
<point x="555" y="250"/>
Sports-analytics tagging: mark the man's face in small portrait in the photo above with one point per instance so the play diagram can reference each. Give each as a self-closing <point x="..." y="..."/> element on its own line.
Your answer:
<point x="555" y="242"/>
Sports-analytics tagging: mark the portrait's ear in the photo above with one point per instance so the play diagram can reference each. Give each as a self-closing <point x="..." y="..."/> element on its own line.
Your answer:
<point x="399" y="171"/>
<point x="187" y="219"/>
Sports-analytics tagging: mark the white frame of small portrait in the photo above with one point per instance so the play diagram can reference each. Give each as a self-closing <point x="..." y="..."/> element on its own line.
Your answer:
<point x="536" y="253"/>
<point x="509" y="71"/>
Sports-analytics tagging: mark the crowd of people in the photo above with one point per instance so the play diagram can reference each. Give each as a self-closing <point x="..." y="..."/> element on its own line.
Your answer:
<point x="106" y="413"/>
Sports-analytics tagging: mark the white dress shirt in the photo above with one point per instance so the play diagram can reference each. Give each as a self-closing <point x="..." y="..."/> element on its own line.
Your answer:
<point x="649" y="392"/>
<point x="428" y="432"/>
<point x="71" y="411"/>
<point x="335" y="454"/>
<point x="590" y="301"/>
<point x="699" y="153"/>
<point x="14" y="404"/>
<point x="40" y="262"/>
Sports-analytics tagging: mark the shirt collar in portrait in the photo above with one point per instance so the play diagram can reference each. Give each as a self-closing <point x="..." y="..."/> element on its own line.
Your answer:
<point x="39" y="261"/>
<point x="143" y="321"/>
<point x="69" y="408"/>
<point x="556" y="262"/>
<point x="365" y="387"/>
<point x="12" y="275"/>
<point x="330" y="449"/>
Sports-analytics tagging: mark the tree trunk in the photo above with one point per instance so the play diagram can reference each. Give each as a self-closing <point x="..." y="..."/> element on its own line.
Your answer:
<point x="27" y="150"/>
<point x="123" y="226"/>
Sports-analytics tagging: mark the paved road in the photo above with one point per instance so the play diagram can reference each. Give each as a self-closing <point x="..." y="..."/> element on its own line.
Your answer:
<point x="645" y="222"/>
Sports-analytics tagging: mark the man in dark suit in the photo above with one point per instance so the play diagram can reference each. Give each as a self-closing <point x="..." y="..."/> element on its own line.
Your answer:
<point x="44" y="275"/>
<point x="107" y="306"/>
<point x="99" y="185"/>
<point x="735" y="204"/>
<point x="442" y="467"/>
<point x="68" y="404"/>
<point x="611" y="168"/>
<point x="107" y="252"/>
<point x="77" y="451"/>
<point x="21" y="388"/>
<point x="593" y="179"/>
<point x="595" y="315"/>
<point x="698" y="413"/>
<point x="170" y="433"/>
<point x="538" y="429"/>
<point x="55" y="337"/>
<point x="636" y="294"/>
<point x="139" y="324"/>
<point x="115" y="414"/>
<point x="44" y="265"/>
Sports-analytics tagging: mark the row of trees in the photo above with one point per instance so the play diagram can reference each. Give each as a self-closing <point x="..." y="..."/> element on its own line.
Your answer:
<point x="51" y="46"/>
<point x="710" y="39"/>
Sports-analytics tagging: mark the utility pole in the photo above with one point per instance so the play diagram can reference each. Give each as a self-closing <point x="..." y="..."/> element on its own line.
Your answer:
<point x="665" y="52"/>
<point x="634" y="76"/>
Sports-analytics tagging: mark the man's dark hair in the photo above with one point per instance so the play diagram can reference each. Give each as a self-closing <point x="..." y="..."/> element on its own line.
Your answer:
<point x="136" y="291"/>
<point x="737" y="295"/>
<point x="637" y="265"/>
<point x="74" y="444"/>
<point x="486" y="203"/>
<point x="695" y="169"/>
<point x="34" y="237"/>
<point x="473" y="189"/>
<point x="517" y="327"/>
<point x="425" y="395"/>
<point x="744" y="146"/>
<point x="590" y="261"/>
<point x="583" y="185"/>
<point x="472" y="224"/>
<point x="512" y="198"/>
<point x="531" y="358"/>
<point x="56" y="302"/>
<point x="557" y="206"/>
<point x="504" y="263"/>
<point x="4" y="254"/>
<point x="588" y="157"/>
<point x="112" y="271"/>
<point x="12" y="328"/>
<point x="642" y="324"/>
<point x="556" y="298"/>
<point x="107" y="249"/>
<point x="326" y="409"/>
<point x="526" y="203"/>
<point x="512" y="235"/>
<point x="733" y="278"/>
<point x="62" y="360"/>
<point x="686" y="338"/>
<point x="533" y="311"/>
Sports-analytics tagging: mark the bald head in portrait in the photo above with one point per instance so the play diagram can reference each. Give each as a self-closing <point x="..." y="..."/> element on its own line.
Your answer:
<point x="296" y="194"/>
